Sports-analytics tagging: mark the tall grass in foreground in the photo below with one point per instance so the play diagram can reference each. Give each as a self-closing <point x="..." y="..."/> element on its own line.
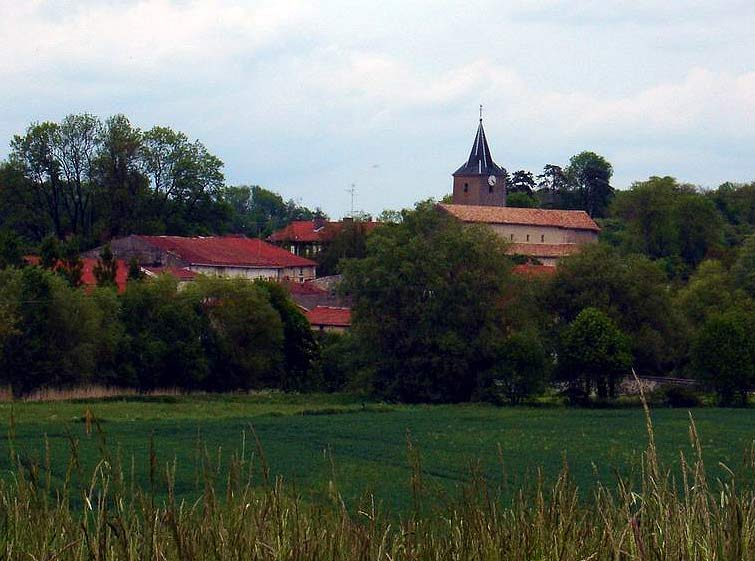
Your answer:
<point x="243" y="513"/>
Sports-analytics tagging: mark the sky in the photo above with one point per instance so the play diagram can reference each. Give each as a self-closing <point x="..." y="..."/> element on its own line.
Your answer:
<point x="307" y="98"/>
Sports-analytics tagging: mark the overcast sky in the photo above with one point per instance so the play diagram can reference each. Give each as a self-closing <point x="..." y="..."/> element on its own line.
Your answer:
<point x="306" y="98"/>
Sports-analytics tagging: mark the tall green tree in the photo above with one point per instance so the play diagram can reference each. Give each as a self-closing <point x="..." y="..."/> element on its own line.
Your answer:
<point x="184" y="177"/>
<point x="40" y="190"/>
<point x="122" y="188"/>
<point x="711" y="290"/>
<point x="521" y="200"/>
<point x="723" y="355"/>
<point x="594" y="354"/>
<point x="300" y="350"/>
<point x="589" y="176"/>
<point x="520" y="369"/>
<point x="522" y="181"/>
<point x="428" y="301"/>
<point x="552" y="187"/>
<point x="49" y="253"/>
<point x="75" y="144"/>
<point x="164" y="331"/>
<point x="244" y="338"/>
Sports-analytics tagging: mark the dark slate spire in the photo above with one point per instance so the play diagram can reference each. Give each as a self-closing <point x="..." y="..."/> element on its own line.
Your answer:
<point x="480" y="161"/>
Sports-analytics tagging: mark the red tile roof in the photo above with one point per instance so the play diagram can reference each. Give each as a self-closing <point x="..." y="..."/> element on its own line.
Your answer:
<point x="121" y="273"/>
<point x="528" y="270"/>
<point x="313" y="231"/>
<point x="544" y="249"/>
<point x="304" y="288"/>
<point x="230" y="251"/>
<point x="180" y="273"/>
<point x="87" y="273"/>
<point x="330" y="316"/>
<point x="571" y="219"/>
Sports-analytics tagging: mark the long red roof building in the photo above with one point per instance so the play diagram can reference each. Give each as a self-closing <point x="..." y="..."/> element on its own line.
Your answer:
<point x="227" y="256"/>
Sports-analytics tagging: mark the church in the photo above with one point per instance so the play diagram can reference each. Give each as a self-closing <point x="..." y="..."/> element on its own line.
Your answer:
<point x="542" y="236"/>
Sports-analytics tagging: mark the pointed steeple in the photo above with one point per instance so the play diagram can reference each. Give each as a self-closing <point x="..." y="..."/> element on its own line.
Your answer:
<point x="480" y="161"/>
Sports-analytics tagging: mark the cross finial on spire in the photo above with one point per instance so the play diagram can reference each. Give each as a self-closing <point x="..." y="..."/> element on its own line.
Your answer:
<point x="481" y="112"/>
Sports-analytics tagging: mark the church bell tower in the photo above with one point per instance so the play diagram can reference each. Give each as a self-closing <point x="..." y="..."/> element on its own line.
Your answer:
<point x="480" y="181"/>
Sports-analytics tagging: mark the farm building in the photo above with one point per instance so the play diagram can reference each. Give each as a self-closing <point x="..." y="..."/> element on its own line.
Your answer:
<point x="223" y="256"/>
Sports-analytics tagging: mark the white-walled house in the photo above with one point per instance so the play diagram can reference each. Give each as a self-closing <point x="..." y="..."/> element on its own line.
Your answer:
<point x="222" y="256"/>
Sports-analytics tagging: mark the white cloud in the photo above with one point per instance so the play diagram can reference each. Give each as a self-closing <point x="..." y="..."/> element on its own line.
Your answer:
<point x="306" y="95"/>
<point x="588" y="12"/>
<point x="145" y="37"/>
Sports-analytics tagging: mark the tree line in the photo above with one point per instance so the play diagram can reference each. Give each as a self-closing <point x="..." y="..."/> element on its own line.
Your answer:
<point x="440" y="316"/>
<point x="583" y="184"/>
<point x="93" y="180"/>
<point x="438" y="313"/>
<point x="214" y="335"/>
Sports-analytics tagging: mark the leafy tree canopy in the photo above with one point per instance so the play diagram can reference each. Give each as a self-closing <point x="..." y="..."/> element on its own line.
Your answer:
<point x="594" y="353"/>
<point x="589" y="177"/>
<point x="666" y="220"/>
<point x="723" y="353"/>
<point x="631" y="290"/>
<point x="428" y="301"/>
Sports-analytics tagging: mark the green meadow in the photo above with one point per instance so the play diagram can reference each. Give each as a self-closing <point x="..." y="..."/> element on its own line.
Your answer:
<point x="324" y="442"/>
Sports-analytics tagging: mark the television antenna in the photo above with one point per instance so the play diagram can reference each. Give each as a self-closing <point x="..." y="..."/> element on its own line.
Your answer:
<point x="352" y="190"/>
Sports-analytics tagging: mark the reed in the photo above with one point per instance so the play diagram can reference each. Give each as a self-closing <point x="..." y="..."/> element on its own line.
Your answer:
<point x="85" y="392"/>
<point x="243" y="512"/>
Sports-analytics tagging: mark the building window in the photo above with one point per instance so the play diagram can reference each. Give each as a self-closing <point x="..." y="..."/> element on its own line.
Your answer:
<point x="528" y="237"/>
<point x="466" y="187"/>
<point x="542" y="238"/>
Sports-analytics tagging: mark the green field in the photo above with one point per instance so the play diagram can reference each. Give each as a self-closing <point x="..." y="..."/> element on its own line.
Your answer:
<point x="311" y="440"/>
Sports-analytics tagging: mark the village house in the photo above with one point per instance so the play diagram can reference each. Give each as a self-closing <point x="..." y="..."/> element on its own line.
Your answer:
<point x="307" y="238"/>
<point x="222" y="256"/>
<point x="542" y="236"/>
<point x="329" y="318"/>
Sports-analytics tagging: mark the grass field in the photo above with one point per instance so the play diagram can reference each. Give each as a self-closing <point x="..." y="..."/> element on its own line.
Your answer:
<point x="311" y="440"/>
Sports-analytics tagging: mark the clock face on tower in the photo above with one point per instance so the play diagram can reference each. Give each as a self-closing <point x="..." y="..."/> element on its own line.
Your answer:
<point x="491" y="180"/>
